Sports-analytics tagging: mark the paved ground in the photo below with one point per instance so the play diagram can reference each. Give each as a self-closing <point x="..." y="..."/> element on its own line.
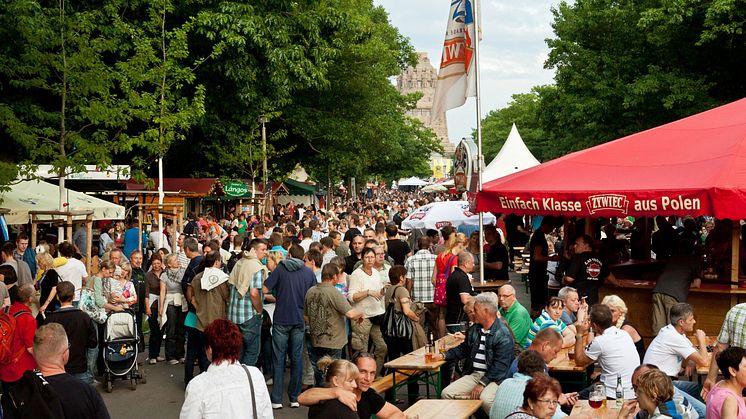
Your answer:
<point x="163" y="394"/>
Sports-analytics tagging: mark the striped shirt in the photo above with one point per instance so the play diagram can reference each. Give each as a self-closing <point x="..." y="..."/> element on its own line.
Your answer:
<point x="480" y="359"/>
<point x="733" y="331"/>
<point x="420" y="270"/>
<point x="240" y="310"/>
<point x="542" y="322"/>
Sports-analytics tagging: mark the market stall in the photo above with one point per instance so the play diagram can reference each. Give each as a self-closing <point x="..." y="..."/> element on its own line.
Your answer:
<point x="691" y="167"/>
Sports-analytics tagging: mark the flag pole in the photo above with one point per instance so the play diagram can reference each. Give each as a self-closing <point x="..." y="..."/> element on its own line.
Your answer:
<point x="480" y="158"/>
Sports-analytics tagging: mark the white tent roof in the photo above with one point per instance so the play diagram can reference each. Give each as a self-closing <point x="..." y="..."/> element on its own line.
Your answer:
<point x="513" y="157"/>
<point x="42" y="196"/>
<point x="413" y="181"/>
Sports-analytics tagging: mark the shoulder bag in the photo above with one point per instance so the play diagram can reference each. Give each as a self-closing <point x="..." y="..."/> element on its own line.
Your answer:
<point x="251" y="386"/>
<point x="395" y="323"/>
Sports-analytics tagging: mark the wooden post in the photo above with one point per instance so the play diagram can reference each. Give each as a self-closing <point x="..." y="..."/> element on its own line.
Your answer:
<point x="89" y="239"/>
<point x="139" y="233"/>
<point x="34" y="230"/>
<point x="69" y="229"/>
<point x="735" y="247"/>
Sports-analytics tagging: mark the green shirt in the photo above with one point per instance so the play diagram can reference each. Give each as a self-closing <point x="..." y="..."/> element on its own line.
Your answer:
<point x="519" y="321"/>
<point x="242" y="226"/>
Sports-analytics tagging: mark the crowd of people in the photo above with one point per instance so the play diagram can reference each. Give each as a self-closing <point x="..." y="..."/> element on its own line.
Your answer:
<point x="242" y="297"/>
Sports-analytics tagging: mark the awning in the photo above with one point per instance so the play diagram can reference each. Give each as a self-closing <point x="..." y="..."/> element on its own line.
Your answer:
<point x="299" y="188"/>
<point x="42" y="196"/>
<point x="694" y="166"/>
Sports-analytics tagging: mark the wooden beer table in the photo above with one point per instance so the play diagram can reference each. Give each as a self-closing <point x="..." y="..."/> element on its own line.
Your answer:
<point x="563" y="364"/>
<point x="413" y="366"/>
<point x="456" y="409"/>
<point x="489" y="286"/>
<point x="607" y="411"/>
<point x="712" y="341"/>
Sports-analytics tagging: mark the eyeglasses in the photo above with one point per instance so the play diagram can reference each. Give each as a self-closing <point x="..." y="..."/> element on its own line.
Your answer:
<point x="551" y="403"/>
<point x="505" y="296"/>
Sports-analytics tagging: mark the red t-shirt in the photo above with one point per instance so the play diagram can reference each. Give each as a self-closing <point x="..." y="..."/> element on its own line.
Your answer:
<point x="23" y="337"/>
<point x="442" y="260"/>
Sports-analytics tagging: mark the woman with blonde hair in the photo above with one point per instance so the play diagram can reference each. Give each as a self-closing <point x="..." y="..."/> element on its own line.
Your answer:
<point x="341" y="374"/>
<point x="47" y="286"/>
<point x="445" y="263"/>
<point x="619" y="319"/>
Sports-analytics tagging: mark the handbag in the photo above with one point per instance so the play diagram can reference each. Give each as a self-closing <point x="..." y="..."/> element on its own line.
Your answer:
<point x="88" y="305"/>
<point x="395" y="323"/>
<point x="439" y="297"/>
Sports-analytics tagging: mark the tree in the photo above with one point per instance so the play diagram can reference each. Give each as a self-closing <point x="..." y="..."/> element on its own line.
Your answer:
<point x="58" y="103"/>
<point x="522" y="111"/>
<point x="625" y="66"/>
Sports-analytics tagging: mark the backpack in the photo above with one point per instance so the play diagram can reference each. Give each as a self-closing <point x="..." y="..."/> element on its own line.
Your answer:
<point x="439" y="298"/>
<point x="32" y="397"/>
<point x="235" y="257"/>
<point x="7" y="329"/>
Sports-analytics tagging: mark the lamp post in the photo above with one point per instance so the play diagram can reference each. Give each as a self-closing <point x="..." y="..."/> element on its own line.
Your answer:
<point x="267" y="188"/>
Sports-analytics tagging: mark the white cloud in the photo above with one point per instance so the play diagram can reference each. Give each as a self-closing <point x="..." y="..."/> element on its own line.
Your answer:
<point x="512" y="51"/>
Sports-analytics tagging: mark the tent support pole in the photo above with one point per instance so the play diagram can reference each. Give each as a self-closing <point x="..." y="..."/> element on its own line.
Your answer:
<point x="34" y="231"/>
<point x="89" y="241"/>
<point x="735" y="248"/>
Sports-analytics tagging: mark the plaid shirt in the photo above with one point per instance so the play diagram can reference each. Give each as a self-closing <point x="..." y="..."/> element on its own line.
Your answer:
<point x="240" y="310"/>
<point x="420" y="270"/>
<point x="733" y="331"/>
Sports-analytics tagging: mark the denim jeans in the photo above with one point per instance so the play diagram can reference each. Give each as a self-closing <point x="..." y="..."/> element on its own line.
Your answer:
<point x="252" y="339"/>
<point x="85" y="377"/>
<point x="314" y="354"/>
<point x="287" y="340"/>
<point x="690" y="391"/>
<point x="195" y="350"/>
<point x="446" y="371"/>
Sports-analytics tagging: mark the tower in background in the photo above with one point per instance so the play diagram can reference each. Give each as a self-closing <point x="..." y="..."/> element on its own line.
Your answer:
<point x="422" y="78"/>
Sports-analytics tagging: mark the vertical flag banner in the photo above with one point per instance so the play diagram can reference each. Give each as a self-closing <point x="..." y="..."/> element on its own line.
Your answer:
<point x="457" y="75"/>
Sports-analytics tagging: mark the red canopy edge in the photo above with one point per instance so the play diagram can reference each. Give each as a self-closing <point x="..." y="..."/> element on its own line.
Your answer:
<point x="693" y="166"/>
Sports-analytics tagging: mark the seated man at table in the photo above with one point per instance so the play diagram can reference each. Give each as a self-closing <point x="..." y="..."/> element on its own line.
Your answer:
<point x="671" y="347"/>
<point x="612" y="348"/>
<point x="576" y="309"/>
<point x="548" y="343"/>
<point x="514" y="313"/>
<point x="362" y="399"/>
<point x="488" y="351"/>
<point x="510" y="393"/>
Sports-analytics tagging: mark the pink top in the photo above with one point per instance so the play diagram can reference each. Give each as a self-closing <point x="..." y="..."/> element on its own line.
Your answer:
<point x="715" y="399"/>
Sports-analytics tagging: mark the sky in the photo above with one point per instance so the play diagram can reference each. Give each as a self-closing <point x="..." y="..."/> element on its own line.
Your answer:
<point x="512" y="51"/>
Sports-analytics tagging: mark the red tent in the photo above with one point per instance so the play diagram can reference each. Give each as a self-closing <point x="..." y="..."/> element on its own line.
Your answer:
<point x="694" y="166"/>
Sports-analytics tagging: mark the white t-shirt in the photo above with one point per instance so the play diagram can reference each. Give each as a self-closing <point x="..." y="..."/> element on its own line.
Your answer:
<point x="668" y="350"/>
<point x="360" y="281"/>
<point x="616" y="354"/>
<point x="73" y="271"/>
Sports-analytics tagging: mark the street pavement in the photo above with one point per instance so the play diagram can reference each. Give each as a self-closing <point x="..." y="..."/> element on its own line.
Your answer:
<point x="163" y="394"/>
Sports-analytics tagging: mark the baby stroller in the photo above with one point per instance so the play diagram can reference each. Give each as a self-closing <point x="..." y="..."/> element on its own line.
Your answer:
<point x="120" y="349"/>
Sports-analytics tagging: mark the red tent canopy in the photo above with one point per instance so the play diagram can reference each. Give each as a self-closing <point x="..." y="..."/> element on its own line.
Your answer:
<point x="694" y="166"/>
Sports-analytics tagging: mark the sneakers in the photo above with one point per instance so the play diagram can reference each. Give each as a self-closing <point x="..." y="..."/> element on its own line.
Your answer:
<point x="270" y="381"/>
<point x="173" y="362"/>
<point x="276" y="406"/>
<point x="152" y="361"/>
<point x="160" y="359"/>
<point x="294" y="405"/>
<point x="181" y="360"/>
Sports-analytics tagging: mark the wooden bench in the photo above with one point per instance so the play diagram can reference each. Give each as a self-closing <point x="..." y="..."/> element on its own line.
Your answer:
<point x="386" y="382"/>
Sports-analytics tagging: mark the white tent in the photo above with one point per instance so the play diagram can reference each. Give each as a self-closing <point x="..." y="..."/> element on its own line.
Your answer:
<point x="36" y="195"/>
<point x="513" y="157"/>
<point x="434" y="188"/>
<point x="437" y="215"/>
<point x="413" y="181"/>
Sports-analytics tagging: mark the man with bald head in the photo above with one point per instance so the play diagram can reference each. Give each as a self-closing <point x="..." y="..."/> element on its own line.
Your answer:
<point x="51" y="351"/>
<point x="514" y="313"/>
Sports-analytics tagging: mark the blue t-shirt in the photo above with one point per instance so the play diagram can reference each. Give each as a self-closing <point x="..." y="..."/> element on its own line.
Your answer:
<point x="130" y="241"/>
<point x="290" y="287"/>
